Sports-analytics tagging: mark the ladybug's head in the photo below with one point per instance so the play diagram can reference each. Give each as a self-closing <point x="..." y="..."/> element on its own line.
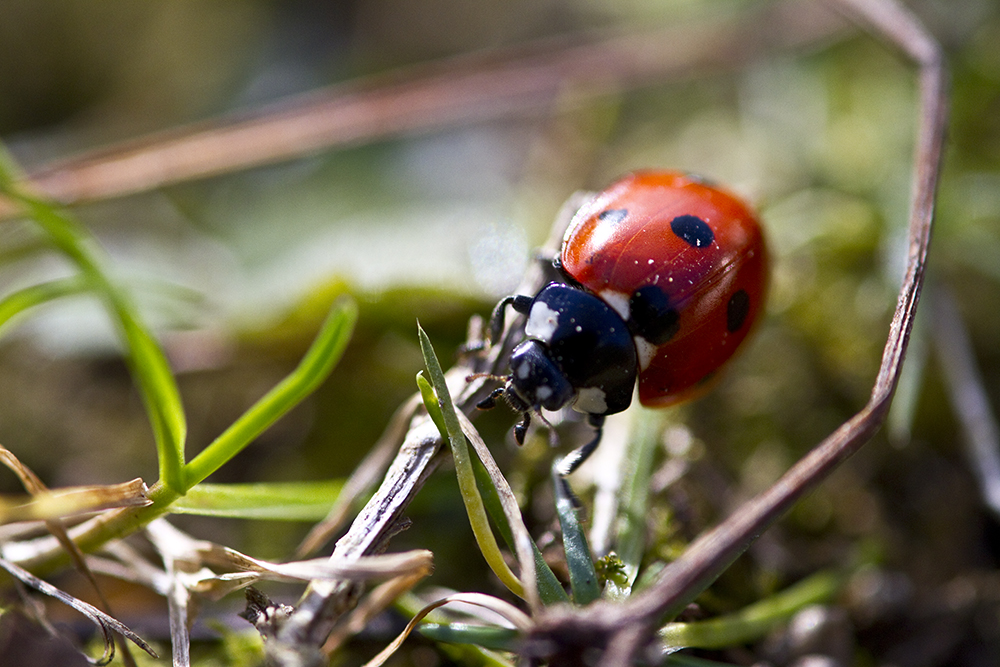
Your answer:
<point x="536" y="380"/>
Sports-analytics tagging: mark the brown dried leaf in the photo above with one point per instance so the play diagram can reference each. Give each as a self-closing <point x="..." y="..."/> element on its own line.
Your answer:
<point x="106" y="623"/>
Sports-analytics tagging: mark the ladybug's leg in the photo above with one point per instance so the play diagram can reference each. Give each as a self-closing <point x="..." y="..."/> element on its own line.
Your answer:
<point x="521" y="427"/>
<point x="520" y="303"/>
<point x="568" y="464"/>
<point x="490" y="401"/>
<point x="572" y="461"/>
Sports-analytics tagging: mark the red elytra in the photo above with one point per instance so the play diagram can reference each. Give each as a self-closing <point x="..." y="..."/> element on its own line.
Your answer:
<point x="702" y="246"/>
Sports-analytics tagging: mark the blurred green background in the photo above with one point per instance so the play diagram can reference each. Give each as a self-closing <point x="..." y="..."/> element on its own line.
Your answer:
<point x="236" y="270"/>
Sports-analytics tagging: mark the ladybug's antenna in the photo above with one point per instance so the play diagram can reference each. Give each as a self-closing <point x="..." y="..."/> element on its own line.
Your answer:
<point x="488" y="376"/>
<point x="553" y="434"/>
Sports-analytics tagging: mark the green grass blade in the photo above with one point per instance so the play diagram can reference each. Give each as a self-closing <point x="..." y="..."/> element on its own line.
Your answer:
<point x="314" y="368"/>
<point x="160" y="396"/>
<point x="499" y="639"/>
<point x="630" y="524"/>
<point x="19" y="302"/>
<point x="146" y="360"/>
<point x="430" y="401"/>
<point x="756" y="620"/>
<point x="284" y="501"/>
<point x="550" y="591"/>
<point x="582" y="576"/>
<point x="463" y="468"/>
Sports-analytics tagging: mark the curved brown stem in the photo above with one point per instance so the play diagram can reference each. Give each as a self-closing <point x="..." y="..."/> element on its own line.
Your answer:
<point x="681" y="581"/>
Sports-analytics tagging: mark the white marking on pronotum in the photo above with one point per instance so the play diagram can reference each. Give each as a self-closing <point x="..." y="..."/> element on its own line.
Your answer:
<point x="591" y="400"/>
<point x="542" y="322"/>
<point x="523" y="370"/>
<point x="645" y="351"/>
<point x="618" y="301"/>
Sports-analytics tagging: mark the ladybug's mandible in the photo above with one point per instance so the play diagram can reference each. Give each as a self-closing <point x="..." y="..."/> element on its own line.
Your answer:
<point x="664" y="276"/>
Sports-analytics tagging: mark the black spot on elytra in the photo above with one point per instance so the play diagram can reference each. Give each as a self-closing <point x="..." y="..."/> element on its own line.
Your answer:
<point x="652" y="316"/>
<point x="737" y="310"/>
<point x="693" y="230"/>
<point x="613" y="215"/>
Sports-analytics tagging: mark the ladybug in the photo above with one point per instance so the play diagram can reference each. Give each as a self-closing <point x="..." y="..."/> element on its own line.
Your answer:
<point x="663" y="276"/>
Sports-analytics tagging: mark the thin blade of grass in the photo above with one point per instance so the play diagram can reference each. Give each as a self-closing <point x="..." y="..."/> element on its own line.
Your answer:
<point x="146" y="359"/>
<point x="285" y="501"/>
<point x="19" y="302"/>
<point x="527" y="552"/>
<point x="963" y="379"/>
<point x="442" y="411"/>
<point x="430" y="401"/>
<point x="582" y="576"/>
<point x="753" y="621"/>
<point x="630" y="528"/>
<point x="314" y="368"/>
<point x="550" y="591"/>
<point x="500" y="639"/>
